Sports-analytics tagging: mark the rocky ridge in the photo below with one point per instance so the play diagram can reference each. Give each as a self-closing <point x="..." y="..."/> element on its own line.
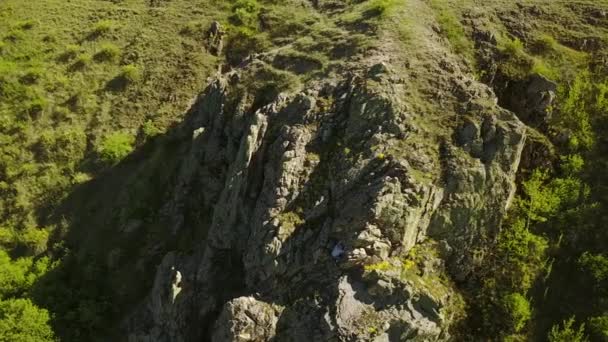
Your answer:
<point x="338" y="211"/>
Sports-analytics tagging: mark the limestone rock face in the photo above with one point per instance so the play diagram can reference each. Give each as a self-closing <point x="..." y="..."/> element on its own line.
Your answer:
<point x="531" y="99"/>
<point x="335" y="213"/>
<point x="246" y="319"/>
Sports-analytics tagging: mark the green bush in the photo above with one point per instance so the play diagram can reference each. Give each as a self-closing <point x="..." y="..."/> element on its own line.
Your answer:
<point x="150" y="130"/>
<point x="131" y="73"/>
<point x="545" y="197"/>
<point x="108" y="52"/>
<point x="241" y="43"/>
<point x="581" y="100"/>
<point x="71" y="51"/>
<point x="517" y="311"/>
<point x="31" y="76"/>
<point x="596" y="265"/>
<point x="17" y="276"/>
<point x="22" y="321"/>
<point x="103" y="27"/>
<point x="63" y="146"/>
<point x="245" y="13"/>
<point x="598" y="328"/>
<point x="511" y="47"/>
<point x="516" y="63"/>
<point x="543" y="44"/>
<point x="522" y="253"/>
<point x="567" y="333"/>
<point x="35" y="106"/>
<point x="115" y="147"/>
<point x="82" y="61"/>
<point x="572" y="164"/>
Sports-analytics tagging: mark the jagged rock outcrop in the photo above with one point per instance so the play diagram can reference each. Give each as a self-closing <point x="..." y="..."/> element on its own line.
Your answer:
<point x="284" y="183"/>
<point x="247" y="319"/>
<point x="531" y="99"/>
<point x="313" y="207"/>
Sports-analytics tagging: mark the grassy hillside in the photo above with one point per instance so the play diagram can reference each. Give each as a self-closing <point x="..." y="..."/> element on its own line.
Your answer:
<point x="82" y="83"/>
<point x="77" y="74"/>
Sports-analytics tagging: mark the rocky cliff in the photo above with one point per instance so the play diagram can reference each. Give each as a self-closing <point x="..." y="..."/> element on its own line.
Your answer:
<point x="342" y="209"/>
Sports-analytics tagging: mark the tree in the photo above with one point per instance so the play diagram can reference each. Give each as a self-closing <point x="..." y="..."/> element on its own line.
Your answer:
<point x="517" y="310"/>
<point x="598" y="327"/>
<point x="115" y="147"/>
<point x="22" y="321"/>
<point x="567" y="333"/>
<point x="17" y="276"/>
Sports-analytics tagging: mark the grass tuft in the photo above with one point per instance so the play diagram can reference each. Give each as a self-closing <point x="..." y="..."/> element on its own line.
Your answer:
<point x="108" y="52"/>
<point x="102" y="27"/>
<point x="82" y="62"/>
<point x="131" y="73"/>
<point x="115" y="147"/>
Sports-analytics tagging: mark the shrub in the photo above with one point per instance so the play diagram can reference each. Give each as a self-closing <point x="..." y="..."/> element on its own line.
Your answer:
<point x="381" y="7"/>
<point x="245" y="12"/>
<point x="108" y="52"/>
<point x="543" y="44"/>
<point x="542" y="68"/>
<point x="596" y="265"/>
<point x="14" y="35"/>
<point x="81" y="177"/>
<point x="31" y="76"/>
<point x="71" y="51"/>
<point x="64" y="146"/>
<point x="523" y="252"/>
<point x="516" y="63"/>
<point x="103" y="27"/>
<point x="25" y="25"/>
<point x="150" y="130"/>
<point x="17" y="276"/>
<point x="193" y="29"/>
<point x="22" y="321"/>
<point x="575" y="112"/>
<point x="130" y="73"/>
<point x="34" y="239"/>
<point x="380" y="266"/>
<point x="517" y="311"/>
<point x="35" y="106"/>
<point x="545" y="197"/>
<point x="241" y="43"/>
<point x="511" y="46"/>
<point x="115" y="147"/>
<point x="290" y="220"/>
<point x="572" y="164"/>
<point x="82" y="62"/>
<point x="598" y="327"/>
<point x="567" y="333"/>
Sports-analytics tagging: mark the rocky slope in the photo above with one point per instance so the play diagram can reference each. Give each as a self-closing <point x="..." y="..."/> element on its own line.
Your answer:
<point x="340" y="210"/>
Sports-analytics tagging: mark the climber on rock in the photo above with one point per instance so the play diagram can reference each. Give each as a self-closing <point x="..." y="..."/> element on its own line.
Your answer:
<point x="338" y="251"/>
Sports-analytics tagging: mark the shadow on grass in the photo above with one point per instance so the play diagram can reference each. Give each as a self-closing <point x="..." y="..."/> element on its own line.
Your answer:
<point x="117" y="84"/>
<point x="111" y="236"/>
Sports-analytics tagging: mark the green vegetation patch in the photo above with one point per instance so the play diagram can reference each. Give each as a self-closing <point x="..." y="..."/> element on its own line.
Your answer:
<point x="115" y="147"/>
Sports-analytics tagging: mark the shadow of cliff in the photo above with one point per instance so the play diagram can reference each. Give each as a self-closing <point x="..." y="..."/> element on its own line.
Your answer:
<point x="112" y="235"/>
